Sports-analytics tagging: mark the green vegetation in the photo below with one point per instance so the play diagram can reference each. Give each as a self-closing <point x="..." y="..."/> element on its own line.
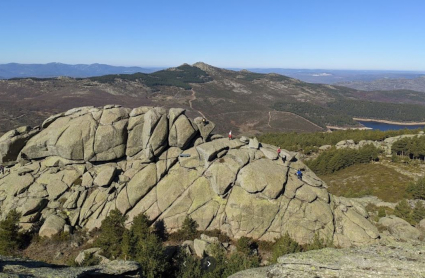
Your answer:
<point x="111" y="234"/>
<point x="418" y="212"/>
<point x="379" y="110"/>
<point x="417" y="190"/>
<point x="301" y="141"/>
<point x="413" y="216"/>
<point x="368" y="179"/>
<point x="413" y="147"/>
<point x="10" y="238"/>
<point x="334" y="160"/>
<point x="284" y="245"/>
<point x="188" y="230"/>
<point x="319" y="115"/>
<point x="180" y="77"/>
<point x="139" y="243"/>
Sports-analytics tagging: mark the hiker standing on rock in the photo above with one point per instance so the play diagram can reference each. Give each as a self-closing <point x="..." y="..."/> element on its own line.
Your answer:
<point x="230" y="135"/>
<point x="278" y="151"/>
<point x="2" y="169"/>
<point x="299" y="174"/>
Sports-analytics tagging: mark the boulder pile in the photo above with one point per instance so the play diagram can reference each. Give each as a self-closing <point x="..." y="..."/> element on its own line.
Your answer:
<point x="81" y="164"/>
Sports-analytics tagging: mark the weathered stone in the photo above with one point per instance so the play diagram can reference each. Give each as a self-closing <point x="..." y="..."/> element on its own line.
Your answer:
<point x="53" y="225"/>
<point x="399" y="228"/>
<point x="253" y="144"/>
<point x="264" y="176"/>
<point x="200" y="246"/>
<point x="396" y="260"/>
<point x="181" y="132"/>
<point x="105" y="176"/>
<point x="141" y="183"/>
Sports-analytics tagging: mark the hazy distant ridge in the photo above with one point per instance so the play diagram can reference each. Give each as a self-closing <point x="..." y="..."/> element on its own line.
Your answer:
<point x="417" y="84"/>
<point x="13" y="70"/>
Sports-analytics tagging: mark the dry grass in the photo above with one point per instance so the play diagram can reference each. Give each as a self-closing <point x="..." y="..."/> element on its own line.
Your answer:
<point x="368" y="179"/>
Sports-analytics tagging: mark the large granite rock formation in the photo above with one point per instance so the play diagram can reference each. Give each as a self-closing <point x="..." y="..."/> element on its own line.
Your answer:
<point x="88" y="161"/>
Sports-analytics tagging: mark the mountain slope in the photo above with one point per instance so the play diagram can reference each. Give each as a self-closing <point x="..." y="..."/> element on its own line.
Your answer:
<point x="417" y="84"/>
<point x="14" y="70"/>
<point x="242" y="101"/>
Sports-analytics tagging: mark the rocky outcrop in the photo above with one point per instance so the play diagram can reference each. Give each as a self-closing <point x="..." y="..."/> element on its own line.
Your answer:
<point x="395" y="260"/>
<point x="385" y="145"/>
<point x="13" y="141"/>
<point x="88" y="161"/>
<point x="16" y="267"/>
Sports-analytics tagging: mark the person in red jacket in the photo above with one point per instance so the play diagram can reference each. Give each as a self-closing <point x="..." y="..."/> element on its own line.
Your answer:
<point x="278" y="151"/>
<point x="230" y="135"/>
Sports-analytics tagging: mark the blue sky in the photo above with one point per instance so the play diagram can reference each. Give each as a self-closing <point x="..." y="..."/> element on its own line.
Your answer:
<point x="343" y="34"/>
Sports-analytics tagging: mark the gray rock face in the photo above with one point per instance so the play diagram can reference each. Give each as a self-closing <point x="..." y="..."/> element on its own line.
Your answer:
<point x="397" y="260"/>
<point x="15" y="267"/>
<point x="399" y="228"/>
<point x="78" y="172"/>
<point x="12" y="142"/>
<point x="53" y="225"/>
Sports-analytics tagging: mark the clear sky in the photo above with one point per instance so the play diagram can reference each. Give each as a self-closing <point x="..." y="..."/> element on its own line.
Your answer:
<point x="328" y="34"/>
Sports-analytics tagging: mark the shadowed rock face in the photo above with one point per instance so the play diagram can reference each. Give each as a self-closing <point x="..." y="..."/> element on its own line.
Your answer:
<point x="16" y="267"/>
<point x="88" y="161"/>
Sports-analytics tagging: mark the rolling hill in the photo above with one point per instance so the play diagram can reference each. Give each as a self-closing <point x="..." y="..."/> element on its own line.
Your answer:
<point x="242" y="101"/>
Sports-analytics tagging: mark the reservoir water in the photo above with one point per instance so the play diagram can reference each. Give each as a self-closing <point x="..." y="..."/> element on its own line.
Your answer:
<point x="384" y="126"/>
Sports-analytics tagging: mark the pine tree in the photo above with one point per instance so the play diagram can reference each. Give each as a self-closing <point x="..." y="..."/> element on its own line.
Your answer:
<point x="285" y="245"/>
<point x="418" y="212"/>
<point x="403" y="210"/>
<point x="9" y="233"/>
<point x="111" y="234"/>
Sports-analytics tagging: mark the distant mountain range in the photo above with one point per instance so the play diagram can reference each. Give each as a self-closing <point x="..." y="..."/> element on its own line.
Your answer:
<point x="323" y="76"/>
<point x="14" y="70"/>
<point x="242" y="101"/>
<point x="417" y="84"/>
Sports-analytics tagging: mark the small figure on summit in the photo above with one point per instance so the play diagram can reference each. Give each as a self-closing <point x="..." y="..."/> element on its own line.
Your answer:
<point x="278" y="151"/>
<point x="230" y="135"/>
<point x="2" y="169"/>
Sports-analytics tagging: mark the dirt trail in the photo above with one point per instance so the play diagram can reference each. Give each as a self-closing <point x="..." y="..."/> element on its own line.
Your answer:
<point x="191" y="105"/>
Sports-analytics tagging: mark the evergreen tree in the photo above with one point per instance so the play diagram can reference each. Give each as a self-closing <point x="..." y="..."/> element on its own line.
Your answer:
<point x="9" y="233"/>
<point x="111" y="234"/>
<point x="403" y="210"/>
<point x="285" y="245"/>
<point x="417" y="190"/>
<point x="418" y="212"/>
<point x="189" y="228"/>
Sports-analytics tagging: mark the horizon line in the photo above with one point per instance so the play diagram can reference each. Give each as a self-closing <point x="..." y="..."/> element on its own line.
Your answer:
<point x="224" y="67"/>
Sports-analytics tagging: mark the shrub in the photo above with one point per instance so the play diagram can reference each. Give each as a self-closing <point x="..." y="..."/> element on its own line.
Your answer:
<point x="141" y="244"/>
<point x="244" y="245"/>
<point x="189" y="267"/>
<point x="285" y="245"/>
<point x="417" y="190"/>
<point x="381" y="212"/>
<point x="111" y="234"/>
<point x="403" y="210"/>
<point x="188" y="230"/>
<point x="222" y="237"/>
<point x="317" y="243"/>
<point x="89" y="260"/>
<point x="10" y="238"/>
<point x="418" y="212"/>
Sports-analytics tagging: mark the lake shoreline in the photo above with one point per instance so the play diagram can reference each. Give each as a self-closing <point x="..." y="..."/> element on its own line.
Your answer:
<point x="388" y="122"/>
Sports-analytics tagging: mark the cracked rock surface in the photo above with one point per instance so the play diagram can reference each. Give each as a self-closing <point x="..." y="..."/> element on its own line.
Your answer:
<point x="401" y="259"/>
<point x="88" y="161"/>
